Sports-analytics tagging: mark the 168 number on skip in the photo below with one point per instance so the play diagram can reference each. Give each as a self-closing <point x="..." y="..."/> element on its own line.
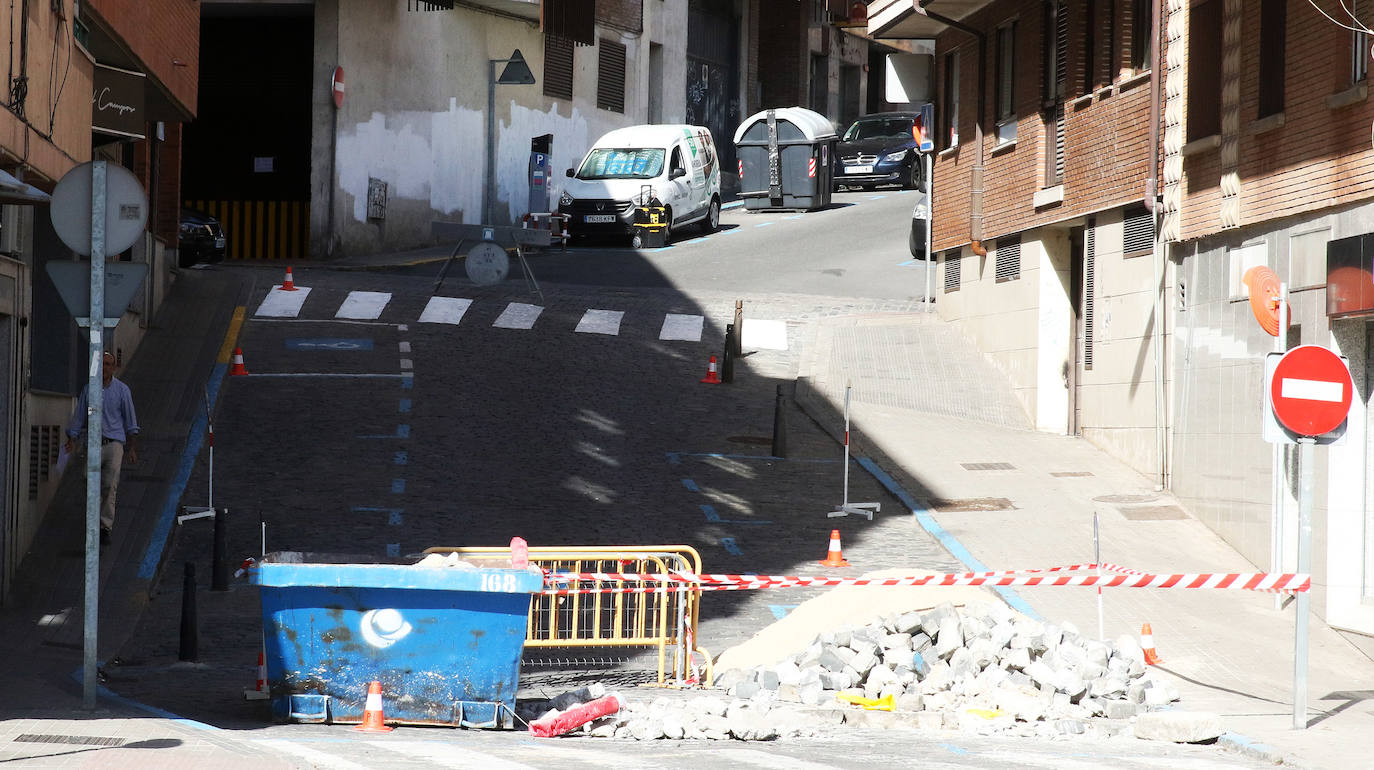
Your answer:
<point x="500" y="583"/>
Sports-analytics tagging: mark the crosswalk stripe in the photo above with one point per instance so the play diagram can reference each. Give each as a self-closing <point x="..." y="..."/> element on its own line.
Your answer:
<point x="283" y="304"/>
<point x="600" y="322"/>
<point x="765" y="335"/>
<point x="518" y="315"/>
<point x="450" y="755"/>
<point x="363" y="305"/>
<point x="317" y="758"/>
<point x="679" y="326"/>
<point x="445" y="310"/>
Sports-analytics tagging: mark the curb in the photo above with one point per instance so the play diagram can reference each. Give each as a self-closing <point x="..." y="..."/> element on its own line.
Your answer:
<point x="1251" y="749"/>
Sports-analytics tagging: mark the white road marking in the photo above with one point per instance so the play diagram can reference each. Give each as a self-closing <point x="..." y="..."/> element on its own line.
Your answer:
<point x="764" y="335"/>
<point x="1313" y="390"/>
<point x="450" y="755"/>
<point x="403" y="347"/>
<point x="445" y="310"/>
<point x="677" y="326"/>
<point x="600" y="322"/>
<point x="756" y="758"/>
<point x="364" y="305"/>
<point x="518" y="315"/>
<point x="283" y="304"/>
<point x="316" y="757"/>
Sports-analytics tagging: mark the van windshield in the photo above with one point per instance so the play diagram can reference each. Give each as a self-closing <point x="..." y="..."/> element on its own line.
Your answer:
<point x="622" y="163"/>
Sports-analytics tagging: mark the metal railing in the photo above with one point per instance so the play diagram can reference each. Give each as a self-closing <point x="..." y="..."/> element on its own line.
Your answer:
<point x="614" y="613"/>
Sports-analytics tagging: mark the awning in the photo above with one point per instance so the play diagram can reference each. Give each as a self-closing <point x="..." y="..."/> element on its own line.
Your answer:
<point x="907" y="19"/>
<point x="14" y="191"/>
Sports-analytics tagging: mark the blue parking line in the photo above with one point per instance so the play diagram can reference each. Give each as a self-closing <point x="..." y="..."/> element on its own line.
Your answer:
<point x="780" y="610"/>
<point x="691" y="485"/>
<point x="728" y="543"/>
<point x="795" y="216"/>
<point x="675" y="458"/>
<point x="876" y="197"/>
<point x="402" y="431"/>
<point x="765" y="224"/>
<point x="404" y="406"/>
<point x="710" y="512"/>
<point x="400" y="458"/>
<point x="398" y="486"/>
<point x="951" y="543"/>
<point x="731" y="231"/>
<point x="731" y="205"/>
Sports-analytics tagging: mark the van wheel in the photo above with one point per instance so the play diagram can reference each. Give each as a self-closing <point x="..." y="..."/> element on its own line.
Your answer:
<point x="667" y="224"/>
<point x="712" y="221"/>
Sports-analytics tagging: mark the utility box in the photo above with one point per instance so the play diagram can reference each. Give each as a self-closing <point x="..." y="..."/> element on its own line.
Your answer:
<point x="785" y="159"/>
<point x="444" y="641"/>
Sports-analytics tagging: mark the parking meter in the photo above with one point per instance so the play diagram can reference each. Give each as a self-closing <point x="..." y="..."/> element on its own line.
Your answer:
<point x="540" y="173"/>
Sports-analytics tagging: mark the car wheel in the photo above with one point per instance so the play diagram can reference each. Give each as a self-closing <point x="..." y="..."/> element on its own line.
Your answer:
<point x="668" y="224"/>
<point x="712" y="221"/>
<point x="914" y="179"/>
<point x="914" y="247"/>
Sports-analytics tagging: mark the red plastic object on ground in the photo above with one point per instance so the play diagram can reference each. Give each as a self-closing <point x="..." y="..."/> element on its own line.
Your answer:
<point x="574" y="717"/>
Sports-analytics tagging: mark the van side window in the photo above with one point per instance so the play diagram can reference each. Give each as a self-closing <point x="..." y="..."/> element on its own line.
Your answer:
<point x="677" y="161"/>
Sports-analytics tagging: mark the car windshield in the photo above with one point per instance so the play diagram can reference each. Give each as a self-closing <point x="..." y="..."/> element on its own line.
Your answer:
<point x="879" y="128"/>
<point x="622" y="163"/>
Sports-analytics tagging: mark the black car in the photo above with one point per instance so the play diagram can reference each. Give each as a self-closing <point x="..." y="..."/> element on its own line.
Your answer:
<point x="199" y="239"/>
<point x="879" y="149"/>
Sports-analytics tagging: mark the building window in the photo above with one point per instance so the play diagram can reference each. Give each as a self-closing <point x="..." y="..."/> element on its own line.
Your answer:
<point x="949" y="114"/>
<point x="610" y="76"/>
<point x="1054" y="44"/>
<point x="1090" y="47"/>
<point x="1240" y="261"/>
<point x="1138" y="232"/>
<point x="1273" y="41"/>
<point x="1204" y="70"/>
<point x="558" y="67"/>
<point x="1359" y="46"/>
<point x="1142" y="24"/>
<point x="820" y="83"/>
<point x="1006" y="83"/>
<point x="1307" y="258"/>
<point x="1008" y="258"/>
<point x="952" y="260"/>
<point x="1109" y="64"/>
<point x="1054" y="146"/>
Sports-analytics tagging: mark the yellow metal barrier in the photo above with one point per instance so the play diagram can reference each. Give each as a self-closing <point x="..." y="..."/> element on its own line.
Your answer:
<point x="599" y="613"/>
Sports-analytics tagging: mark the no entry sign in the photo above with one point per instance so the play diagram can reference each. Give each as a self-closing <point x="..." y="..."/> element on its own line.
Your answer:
<point x="1311" y="390"/>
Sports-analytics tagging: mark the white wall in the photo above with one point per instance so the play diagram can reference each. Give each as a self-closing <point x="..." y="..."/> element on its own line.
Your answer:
<point x="414" y="114"/>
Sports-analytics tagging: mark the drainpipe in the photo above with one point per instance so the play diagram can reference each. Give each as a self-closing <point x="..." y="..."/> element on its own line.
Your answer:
<point x="975" y="215"/>
<point x="1152" y="200"/>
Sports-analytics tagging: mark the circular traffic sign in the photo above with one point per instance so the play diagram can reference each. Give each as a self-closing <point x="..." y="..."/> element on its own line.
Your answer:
<point x="487" y="263"/>
<point x="337" y="87"/>
<point x="1311" y="390"/>
<point x="126" y="208"/>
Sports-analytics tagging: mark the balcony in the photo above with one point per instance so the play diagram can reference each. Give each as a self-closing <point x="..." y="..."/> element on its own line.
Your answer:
<point x="910" y="19"/>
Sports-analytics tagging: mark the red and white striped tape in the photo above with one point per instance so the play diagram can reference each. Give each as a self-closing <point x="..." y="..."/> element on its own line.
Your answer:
<point x="1119" y="578"/>
<point x="811" y="167"/>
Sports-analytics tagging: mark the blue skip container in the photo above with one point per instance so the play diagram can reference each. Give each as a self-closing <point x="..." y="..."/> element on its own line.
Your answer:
<point x="444" y="642"/>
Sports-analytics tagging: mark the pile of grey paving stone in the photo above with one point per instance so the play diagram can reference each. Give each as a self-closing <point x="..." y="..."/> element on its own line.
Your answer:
<point x="983" y="668"/>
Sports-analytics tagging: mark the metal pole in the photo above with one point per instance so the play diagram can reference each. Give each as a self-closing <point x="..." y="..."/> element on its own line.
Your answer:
<point x="846" y="446"/>
<point x="487" y="192"/>
<point x="95" y="419"/>
<point x="1278" y="470"/>
<point x="1097" y="559"/>
<point x="1306" y="454"/>
<point x="930" y="224"/>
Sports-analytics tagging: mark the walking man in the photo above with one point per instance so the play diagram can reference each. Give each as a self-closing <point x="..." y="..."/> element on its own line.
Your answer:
<point x="118" y="436"/>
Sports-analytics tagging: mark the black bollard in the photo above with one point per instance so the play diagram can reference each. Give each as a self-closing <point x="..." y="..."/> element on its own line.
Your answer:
<point x="780" y="424"/>
<point x="727" y="366"/>
<point x="219" y="565"/>
<point x="739" y="327"/>
<point x="190" y="638"/>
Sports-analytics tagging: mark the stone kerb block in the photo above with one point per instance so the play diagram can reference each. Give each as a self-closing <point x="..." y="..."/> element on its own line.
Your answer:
<point x="1178" y="726"/>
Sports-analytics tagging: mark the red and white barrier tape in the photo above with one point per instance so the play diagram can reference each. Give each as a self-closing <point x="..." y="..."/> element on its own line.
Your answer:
<point x="1121" y="578"/>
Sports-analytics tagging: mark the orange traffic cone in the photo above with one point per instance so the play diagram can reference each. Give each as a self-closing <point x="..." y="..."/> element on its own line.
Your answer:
<point x="712" y="376"/>
<point x="1147" y="645"/>
<point x="288" y="284"/>
<point x="238" y="367"/>
<point x="835" y="558"/>
<point x="373" y="721"/>
<point x="260" y="691"/>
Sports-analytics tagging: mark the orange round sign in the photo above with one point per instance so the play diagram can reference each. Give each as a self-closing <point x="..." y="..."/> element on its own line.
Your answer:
<point x="1264" y="297"/>
<point x="338" y="87"/>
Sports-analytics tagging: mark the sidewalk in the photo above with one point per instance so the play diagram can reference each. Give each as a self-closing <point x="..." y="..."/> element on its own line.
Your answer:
<point x="917" y="416"/>
<point x="43" y="722"/>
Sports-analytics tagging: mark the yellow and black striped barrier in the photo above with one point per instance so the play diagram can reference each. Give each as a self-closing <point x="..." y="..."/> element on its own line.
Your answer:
<point x="261" y="229"/>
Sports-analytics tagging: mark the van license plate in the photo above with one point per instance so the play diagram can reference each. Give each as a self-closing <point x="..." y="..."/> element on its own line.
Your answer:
<point x="599" y="218"/>
<point x="858" y="169"/>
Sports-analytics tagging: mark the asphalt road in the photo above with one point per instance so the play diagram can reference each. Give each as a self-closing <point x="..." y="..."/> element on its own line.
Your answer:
<point x="581" y="422"/>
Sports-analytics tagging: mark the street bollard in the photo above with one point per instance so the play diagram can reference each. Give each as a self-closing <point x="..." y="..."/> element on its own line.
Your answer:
<point x="739" y="327"/>
<point x="727" y="366"/>
<point x="190" y="638"/>
<point x="780" y="423"/>
<point x="219" y="566"/>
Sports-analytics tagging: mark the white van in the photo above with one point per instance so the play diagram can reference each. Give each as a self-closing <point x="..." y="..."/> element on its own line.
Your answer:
<point x="629" y="166"/>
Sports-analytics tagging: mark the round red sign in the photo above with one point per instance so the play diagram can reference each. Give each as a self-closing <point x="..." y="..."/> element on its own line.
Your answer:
<point x="338" y="87"/>
<point x="1311" y="390"/>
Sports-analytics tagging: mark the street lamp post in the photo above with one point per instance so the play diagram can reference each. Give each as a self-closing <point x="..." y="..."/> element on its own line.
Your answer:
<point x="517" y="72"/>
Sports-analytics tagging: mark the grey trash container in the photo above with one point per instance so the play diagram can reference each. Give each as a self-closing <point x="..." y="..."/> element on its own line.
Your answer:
<point x="785" y="157"/>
